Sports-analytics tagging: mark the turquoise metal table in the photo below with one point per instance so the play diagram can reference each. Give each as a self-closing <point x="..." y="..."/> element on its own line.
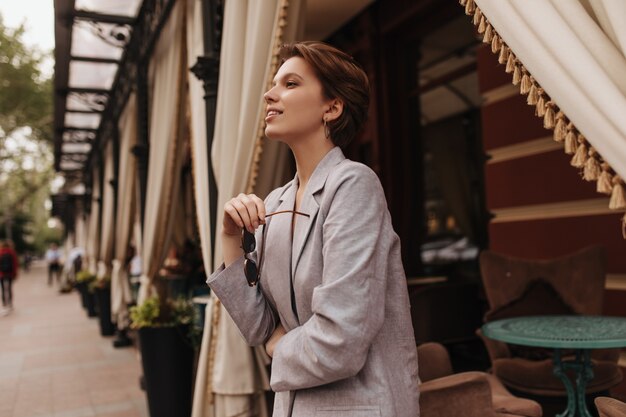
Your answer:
<point x="580" y="333"/>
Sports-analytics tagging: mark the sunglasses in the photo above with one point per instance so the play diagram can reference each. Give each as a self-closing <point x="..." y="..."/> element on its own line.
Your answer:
<point x="248" y="244"/>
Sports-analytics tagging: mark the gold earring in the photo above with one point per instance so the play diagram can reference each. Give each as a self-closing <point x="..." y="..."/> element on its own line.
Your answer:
<point x="326" y="129"/>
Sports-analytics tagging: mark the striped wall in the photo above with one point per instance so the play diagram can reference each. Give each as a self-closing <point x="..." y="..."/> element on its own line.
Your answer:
<point x="542" y="208"/>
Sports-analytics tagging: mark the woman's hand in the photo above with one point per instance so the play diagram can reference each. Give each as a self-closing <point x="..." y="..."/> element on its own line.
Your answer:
<point x="245" y="210"/>
<point x="279" y="332"/>
<point x="242" y="211"/>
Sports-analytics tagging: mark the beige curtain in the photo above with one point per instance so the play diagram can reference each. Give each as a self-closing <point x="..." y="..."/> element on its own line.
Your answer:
<point x="93" y="222"/>
<point x="120" y="291"/>
<point x="167" y="129"/>
<point x="80" y="232"/>
<point x="108" y="202"/>
<point x="570" y="58"/>
<point x="252" y="32"/>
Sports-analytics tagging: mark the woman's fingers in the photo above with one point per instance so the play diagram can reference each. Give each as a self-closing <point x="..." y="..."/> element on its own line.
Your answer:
<point x="245" y="211"/>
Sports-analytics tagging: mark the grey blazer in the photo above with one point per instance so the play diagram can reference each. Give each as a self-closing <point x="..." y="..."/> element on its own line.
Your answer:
<point x="349" y="348"/>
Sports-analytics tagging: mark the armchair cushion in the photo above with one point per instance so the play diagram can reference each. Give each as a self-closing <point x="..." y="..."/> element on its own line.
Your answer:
<point x="456" y="395"/>
<point x="610" y="407"/>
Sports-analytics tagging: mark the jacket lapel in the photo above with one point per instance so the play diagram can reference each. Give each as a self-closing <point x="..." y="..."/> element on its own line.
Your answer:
<point x="309" y="204"/>
<point x="276" y="264"/>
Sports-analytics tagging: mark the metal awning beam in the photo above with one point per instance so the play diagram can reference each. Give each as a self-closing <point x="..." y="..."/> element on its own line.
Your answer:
<point x="83" y="111"/>
<point x="86" y="90"/>
<point x="95" y="60"/>
<point x="104" y="18"/>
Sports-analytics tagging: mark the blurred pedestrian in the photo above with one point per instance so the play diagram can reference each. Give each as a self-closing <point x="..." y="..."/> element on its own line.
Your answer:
<point x="53" y="257"/>
<point x="8" y="272"/>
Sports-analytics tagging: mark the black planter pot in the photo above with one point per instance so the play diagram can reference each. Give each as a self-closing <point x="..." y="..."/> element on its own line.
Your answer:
<point x="90" y="301"/>
<point x="82" y="290"/>
<point x="103" y="300"/>
<point x="167" y="359"/>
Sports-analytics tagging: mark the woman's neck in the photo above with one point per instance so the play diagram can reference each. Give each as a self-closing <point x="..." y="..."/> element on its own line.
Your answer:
<point x="307" y="156"/>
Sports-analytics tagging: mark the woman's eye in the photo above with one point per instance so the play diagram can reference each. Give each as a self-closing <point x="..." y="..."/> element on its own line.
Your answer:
<point x="290" y="84"/>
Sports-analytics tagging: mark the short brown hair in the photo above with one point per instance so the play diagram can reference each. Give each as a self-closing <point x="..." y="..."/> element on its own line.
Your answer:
<point x="341" y="78"/>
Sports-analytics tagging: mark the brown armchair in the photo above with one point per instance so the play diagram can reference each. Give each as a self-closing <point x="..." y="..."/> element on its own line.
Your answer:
<point x="573" y="284"/>
<point x="610" y="407"/>
<point x="467" y="394"/>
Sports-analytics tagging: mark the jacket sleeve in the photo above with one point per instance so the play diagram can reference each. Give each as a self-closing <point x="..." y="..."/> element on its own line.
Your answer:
<point x="349" y="306"/>
<point x="247" y="305"/>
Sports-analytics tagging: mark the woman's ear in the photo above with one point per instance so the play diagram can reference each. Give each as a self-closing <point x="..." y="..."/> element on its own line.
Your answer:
<point x="334" y="110"/>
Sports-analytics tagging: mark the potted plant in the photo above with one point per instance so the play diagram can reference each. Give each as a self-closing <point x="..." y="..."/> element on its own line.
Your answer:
<point x="83" y="279"/>
<point x="102" y="289"/>
<point x="166" y="340"/>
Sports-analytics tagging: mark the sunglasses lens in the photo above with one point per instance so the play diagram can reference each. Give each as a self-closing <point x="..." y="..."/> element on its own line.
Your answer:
<point x="251" y="272"/>
<point x="248" y="242"/>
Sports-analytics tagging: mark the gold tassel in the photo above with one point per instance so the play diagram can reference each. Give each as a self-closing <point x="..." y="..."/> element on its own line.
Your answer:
<point x="496" y="43"/>
<point x="463" y="2"/>
<point x="533" y="97"/>
<point x="548" y="118"/>
<point x="540" y="108"/>
<point x="618" y="199"/>
<point x="510" y="63"/>
<point x="517" y="75"/>
<point x="560" y="130"/>
<point x="570" y="142"/>
<point x="504" y="54"/>
<point x="482" y="26"/>
<point x="624" y="226"/>
<point x="580" y="157"/>
<point x="488" y="33"/>
<point x="526" y="84"/>
<point x="592" y="167"/>
<point x="604" y="184"/>
<point x="470" y="7"/>
<point x="477" y="17"/>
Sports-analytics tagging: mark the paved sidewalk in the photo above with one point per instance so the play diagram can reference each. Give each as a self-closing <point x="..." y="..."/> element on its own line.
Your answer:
<point x="53" y="361"/>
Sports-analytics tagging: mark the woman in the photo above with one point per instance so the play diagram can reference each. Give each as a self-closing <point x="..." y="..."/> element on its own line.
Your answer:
<point x="324" y="290"/>
<point x="8" y="272"/>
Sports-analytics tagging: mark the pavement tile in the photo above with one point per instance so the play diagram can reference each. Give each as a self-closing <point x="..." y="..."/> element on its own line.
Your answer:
<point x="54" y="363"/>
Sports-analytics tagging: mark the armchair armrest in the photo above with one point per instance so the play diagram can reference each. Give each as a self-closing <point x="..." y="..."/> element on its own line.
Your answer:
<point x="456" y="395"/>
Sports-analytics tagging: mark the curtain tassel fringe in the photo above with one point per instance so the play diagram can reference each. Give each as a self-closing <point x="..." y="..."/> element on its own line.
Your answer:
<point x="592" y="167"/>
<point x="604" y="184"/>
<point x="488" y="34"/>
<point x="618" y="199"/>
<point x="525" y="84"/>
<point x="533" y="97"/>
<point x="504" y="55"/>
<point x="470" y="7"/>
<point x="560" y="129"/>
<point x="510" y="63"/>
<point x="540" y="109"/>
<point x="496" y="43"/>
<point x="478" y="17"/>
<point x="580" y="157"/>
<point x="548" y="117"/>
<point x="517" y="75"/>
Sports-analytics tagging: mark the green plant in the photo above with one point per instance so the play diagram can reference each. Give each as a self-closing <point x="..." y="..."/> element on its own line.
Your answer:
<point x="154" y="312"/>
<point x="85" y="276"/>
<point x="104" y="282"/>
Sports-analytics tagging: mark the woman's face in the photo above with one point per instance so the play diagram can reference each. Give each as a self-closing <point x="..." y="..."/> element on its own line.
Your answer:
<point x="295" y="103"/>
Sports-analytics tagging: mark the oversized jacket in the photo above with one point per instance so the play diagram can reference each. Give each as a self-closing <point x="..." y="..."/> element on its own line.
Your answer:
<point x="349" y="348"/>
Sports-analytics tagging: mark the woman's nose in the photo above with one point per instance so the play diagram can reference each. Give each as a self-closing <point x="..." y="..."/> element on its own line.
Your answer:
<point x="269" y="95"/>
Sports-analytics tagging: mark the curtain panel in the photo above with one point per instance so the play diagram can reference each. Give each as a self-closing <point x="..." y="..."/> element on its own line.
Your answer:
<point x="120" y="290"/>
<point x="568" y="57"/>
<point x="93" y="238"/>
<point x="252" y="33"/>
<point x="167" y="128"/>
<point x="108" y="202"/>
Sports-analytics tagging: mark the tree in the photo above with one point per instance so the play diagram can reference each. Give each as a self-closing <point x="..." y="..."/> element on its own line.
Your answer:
<point x="25" y="94"/>
<point x="26" y="162"/>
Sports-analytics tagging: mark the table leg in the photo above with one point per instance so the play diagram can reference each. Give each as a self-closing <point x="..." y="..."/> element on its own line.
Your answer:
<point x="582" y="365"/>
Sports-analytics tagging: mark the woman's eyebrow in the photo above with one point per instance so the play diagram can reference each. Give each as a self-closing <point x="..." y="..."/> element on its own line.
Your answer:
<point x="288" y="75"/>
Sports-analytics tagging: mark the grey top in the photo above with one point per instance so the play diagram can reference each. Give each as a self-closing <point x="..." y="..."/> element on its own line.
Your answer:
<point x="349" y="348"/>
<point x="567" y="332"/>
